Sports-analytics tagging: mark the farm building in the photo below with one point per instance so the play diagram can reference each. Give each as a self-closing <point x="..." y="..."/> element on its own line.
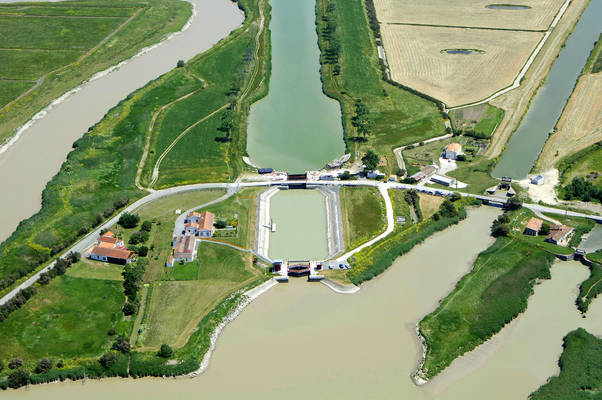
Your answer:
<point x="452" y="151"/>
<point x="424" y="173"/>
<point x="443" y="180"/>
<point x="112" y="255"/>
<point x="109" y="241"/>
<point x="376" y="174"/>
<point x="185" y="248"/>
<point x="199" y="224"/>
<point x="559" y="234"/>
<point x="533" y="226"/>
<point x="537" y="180"/>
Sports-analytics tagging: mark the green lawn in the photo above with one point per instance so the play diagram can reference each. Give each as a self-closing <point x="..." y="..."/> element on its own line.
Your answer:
<point x="580" y="375"/>
<point x="362" y="212"/>
<point x="96" y="270"/>
<point x="399" y="117"/>
<point x="68" y="318"/>
<point x="483" y="301"/>
<point x="40" y="38"/>
<point x="10" y="90"/>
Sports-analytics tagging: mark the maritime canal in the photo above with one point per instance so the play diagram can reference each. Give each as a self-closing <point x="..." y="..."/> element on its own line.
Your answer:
<point x="311" y="343"/>
<point x="526" y="143"/>
<point x="296" y="127"/>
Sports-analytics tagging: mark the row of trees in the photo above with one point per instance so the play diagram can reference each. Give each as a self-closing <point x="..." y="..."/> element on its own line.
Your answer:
<point x="332" y="52"/>
<point x="133" y="274"/>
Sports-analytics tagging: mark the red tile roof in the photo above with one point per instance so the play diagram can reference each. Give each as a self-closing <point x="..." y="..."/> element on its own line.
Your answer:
<point x="534" y="224"/>
<point x="206" y="220"/>
<point x="122" y="254"/>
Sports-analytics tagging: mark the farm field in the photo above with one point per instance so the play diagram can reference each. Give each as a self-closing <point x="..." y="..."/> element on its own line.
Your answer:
<point x="472" y="13"/>
<point x="416" y="60"/>
<point x="50" y="48"/>
<point x="586" y="163"/>
<point x="362" y="214"/>
<point x="482" y="119"/>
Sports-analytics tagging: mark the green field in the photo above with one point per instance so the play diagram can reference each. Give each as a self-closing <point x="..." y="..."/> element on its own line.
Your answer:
<point x="592" y="286"/>
<point x="362" y="211"/>
<point x="61" y="44"/>
<point x="580" y="375"/>
<point x="483" y="301"/>
<point x="586" y="164"/>
<point x="480" y="121"/>
<point x="94" y="270"/>
<point x="68" y="318"/>
<point x="397" y="116"/>
<point x="594" y="61"/>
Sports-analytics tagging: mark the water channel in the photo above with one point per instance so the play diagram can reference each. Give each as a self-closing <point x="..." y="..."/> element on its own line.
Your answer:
<point x="526" y="143"/>
<point x="296" y="127"/>
<point x="28" y="165"/>
<point x="300" y="220"/>
<point x="301" y="340"/>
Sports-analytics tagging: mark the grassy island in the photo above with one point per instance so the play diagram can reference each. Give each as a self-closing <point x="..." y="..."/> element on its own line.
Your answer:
<point x="49" y="48"/>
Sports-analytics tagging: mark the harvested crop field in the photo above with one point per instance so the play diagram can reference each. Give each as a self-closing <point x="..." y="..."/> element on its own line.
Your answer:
<point x="416" y="60"/>
<point x="473" y="13"/>
<point x="579" y="126"/>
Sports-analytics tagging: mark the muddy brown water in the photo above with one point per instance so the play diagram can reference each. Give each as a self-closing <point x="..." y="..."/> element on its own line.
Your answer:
<point x="30" y="163"/>
<point x="301" y="340"/>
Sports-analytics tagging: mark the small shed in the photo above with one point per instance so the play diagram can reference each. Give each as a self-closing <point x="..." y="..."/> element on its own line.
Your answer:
<point x="537" y="180"/>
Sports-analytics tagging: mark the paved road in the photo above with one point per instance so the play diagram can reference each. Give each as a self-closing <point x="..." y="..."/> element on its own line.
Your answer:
<point x="91" y="238"/>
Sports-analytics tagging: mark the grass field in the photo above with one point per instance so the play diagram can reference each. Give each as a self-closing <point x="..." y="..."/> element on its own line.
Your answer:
<point x="397" y="116"/>
<point x="429" y="204"/>
<point x="586" y="163"/>
<point x="483" y="301"/>
<point x="94" y="270"/>
<point x="538" y="16"/>
<point x="580" y="369"/>
<point x="416" y="60"/>
<point x="68" y="318"/>
<point x="362" y="211"/>
<point x="429" y="153"/>
<point x="482" y="119"/>
<point x="592" y="286"/>
<point x="57" y="46"/>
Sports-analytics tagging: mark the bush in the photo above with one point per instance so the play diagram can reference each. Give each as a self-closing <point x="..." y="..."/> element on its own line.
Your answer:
<point x="128" y="220"/>
<point x="122" y="344"/>
<point x="514" y="203"/>
<point x="44" y="365"/>
<point x="142" y="251"/>
<point x="180" y="64"/>
<point x="498" y="230"/>
<point x="447" y="209"/>
<point x="165" y="351"/>
<point x="370" y="160"/>
<point x="130" y="308"/>
<point x="18" y="379"/>
<point x="146" y="226"/>
<point x="138" y="237"/>
<point x="345" y="176"/>
<point x="220" y="224"/>
<point x="15" y="363"/>
<point x="545" y="229"/>
<point x="107" y="360"/>
<point x="73" y="257"/>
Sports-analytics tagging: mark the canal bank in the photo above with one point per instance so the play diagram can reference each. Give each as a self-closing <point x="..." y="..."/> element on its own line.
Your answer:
<point x="526" y="143"/>
<point x="295" y="128"/>
<point x="30" y="162"/>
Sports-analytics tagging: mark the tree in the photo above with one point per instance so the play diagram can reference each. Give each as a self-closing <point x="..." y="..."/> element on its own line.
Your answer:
<point x="545" y="229"/>
<point x="361" y="120"/>
<point x="142" y="251"/>
<point x="498" y="230"/>
<point x="180" y="64"/>
<point x="18" y="379"/>
<point x="370" y="160"/>
<point x="455" y="196"/>
<point x="138" y="237"/>
<point x="107" y="360"/>
<point x="121" y="344"/>
<point x="165" y="351"/>
<point x="73" y="257"/>
<point x="345" y="176"/>
<point x="447" y="209"/>
<point x="130" y="308"/>
<point x="128" y="220"/>
<point x="146" y="226"/>
<point x="514" y="203"/>
<point x="220" y="224"/>
<point x="15" y="363"/>
<point x="44" y="365"/>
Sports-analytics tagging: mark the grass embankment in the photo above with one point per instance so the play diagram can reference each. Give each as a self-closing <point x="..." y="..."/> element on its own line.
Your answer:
<point x="478" y="121"/>
<point x="581" y="176"/>
<point x="100" y="172"/>
<point x="375" y="259"/>
<point x="594" y="61"/>
<point x="362" y="212"/>
<point x="483" y="301"/>
<point x="59" y="45"/>
<point x="580" y="370"/>
<point x="351" y="73"/>
<point x="592" y="286"/>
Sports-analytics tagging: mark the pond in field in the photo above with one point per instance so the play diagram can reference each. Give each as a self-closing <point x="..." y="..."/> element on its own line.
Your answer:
<point x="300" y="219"/>
<point x="508" y="7"/>
<point x="526" y="143"/>
<point x="300" y="340"/>
<point x="462" y="51"/>
<point x="296" y="127"/>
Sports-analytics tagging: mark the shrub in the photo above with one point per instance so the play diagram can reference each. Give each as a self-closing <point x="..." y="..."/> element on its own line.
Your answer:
<point x="221" y="224"/>
<point x="121" y="344"/>
<point x="180" y="64"/>
<point x="44" y="365"/>
<point x="112" y="332"/>
<point x="447" y="209"/>
<point x="130" y="308"/>
<point x="498" y="230"/>
<point x="370" y="160"/>
<point x="18" y="379"/>
<point x="107" y="360"/>
<point x="142" y="251"/>
<point x="15" y="363"/>
<point x="128" y="220"/>
<point x="514" y="203"/>
<point x="139" y="237"/>
<point x="73" y="257"/>
<point x="146" y="226"/>
<point x="545" y="229"/>
<point x="165" y="351"/>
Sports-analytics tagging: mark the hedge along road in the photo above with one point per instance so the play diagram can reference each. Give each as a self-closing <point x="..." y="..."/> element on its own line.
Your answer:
<point x="28" y="164"/>
<point x="232" y="188"/>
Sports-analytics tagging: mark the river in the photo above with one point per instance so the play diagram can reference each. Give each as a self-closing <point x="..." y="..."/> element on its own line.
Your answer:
<point x="296" y="127"/>
<point x="301" y="340"/>
<point x="526" y="143"/>
<point x="30" y="163"/>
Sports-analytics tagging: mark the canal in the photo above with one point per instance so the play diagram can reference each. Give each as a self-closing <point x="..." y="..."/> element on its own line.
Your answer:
<point x="301" y="340"/>
<point x="296" y="127"/>
<point x="300" y="219"/>
<point x="526" y="143"/>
